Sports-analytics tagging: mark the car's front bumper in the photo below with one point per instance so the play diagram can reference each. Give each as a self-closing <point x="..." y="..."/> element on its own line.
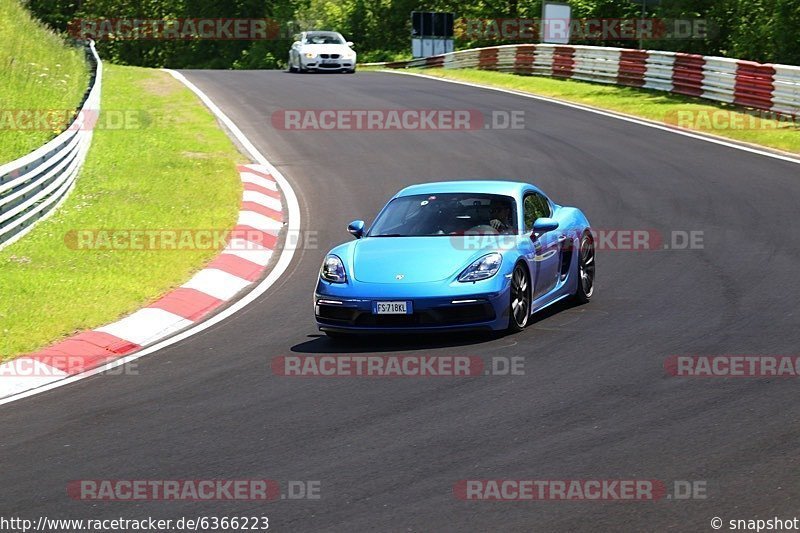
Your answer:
<point x="479" y="311"/>
<point x="328" y="64"/>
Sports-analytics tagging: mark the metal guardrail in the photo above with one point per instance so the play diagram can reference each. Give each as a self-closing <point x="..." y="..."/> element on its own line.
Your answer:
<point x="767" y="87"/>
<point x="33" y="186"/>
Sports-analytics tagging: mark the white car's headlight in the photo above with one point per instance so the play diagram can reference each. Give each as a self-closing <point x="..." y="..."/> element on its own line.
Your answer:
<point x="482" y="268"/>
<point x="349" y="55"/>
<point x="333" y="270"/>
<point x="310" y="55"/>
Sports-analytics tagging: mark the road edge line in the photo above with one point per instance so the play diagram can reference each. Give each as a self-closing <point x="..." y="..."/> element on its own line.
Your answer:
<point x="627" y="118"/>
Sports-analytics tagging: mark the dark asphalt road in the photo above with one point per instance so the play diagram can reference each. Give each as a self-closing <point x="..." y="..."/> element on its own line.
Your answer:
<point x="594" y="401"/>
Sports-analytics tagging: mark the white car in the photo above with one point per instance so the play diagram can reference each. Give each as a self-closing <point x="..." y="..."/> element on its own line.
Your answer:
<point x="322" y="51"/>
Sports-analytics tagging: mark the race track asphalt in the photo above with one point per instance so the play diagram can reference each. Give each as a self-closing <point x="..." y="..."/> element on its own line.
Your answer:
<point x="594" y="401"/>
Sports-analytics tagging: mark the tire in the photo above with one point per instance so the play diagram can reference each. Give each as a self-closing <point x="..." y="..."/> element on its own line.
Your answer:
<point x="353" y="71"/>
<point x="585" y="269"/>
<point x="519" y="307"/>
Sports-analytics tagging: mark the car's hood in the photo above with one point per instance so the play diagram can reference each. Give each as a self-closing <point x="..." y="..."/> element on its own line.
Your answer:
<point x="326" y="49"/>
<point x="413" y="259"/>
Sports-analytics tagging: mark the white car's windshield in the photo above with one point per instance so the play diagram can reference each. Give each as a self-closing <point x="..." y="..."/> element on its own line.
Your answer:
<point x="323" y="38"/>
<point x="446" y="214"/>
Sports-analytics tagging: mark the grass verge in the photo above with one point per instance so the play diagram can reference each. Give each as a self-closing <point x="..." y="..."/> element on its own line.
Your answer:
<point x="691" y="113"/>
<point x="39" y="72"/>
<point x="168" y="167"/>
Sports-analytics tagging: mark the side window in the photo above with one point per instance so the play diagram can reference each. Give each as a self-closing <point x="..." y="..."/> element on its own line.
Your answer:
<point x="535" y="206"/>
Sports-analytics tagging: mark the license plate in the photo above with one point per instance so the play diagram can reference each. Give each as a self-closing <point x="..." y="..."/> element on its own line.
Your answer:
<point x="329" y="61"/>
<point x="392" y="308"/>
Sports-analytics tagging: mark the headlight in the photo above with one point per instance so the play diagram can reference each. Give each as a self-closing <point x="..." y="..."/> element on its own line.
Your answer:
<point x="483" y="268"/>
<point x="333" y="270"/>
<point x="350" y="55"/>
<point x="310" y="55"/>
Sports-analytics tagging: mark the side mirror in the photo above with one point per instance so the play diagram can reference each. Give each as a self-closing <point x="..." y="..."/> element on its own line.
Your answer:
<point x="543" y="225"/>
<point x="356" y="228"/>
<point x="350" y="44"/>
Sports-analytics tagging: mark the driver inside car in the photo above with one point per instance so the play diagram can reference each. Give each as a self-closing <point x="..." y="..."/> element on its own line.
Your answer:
<point x="500" y="216"/>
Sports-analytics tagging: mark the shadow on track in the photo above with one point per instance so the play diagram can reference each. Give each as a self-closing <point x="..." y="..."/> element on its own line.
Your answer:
<point x="322" y="344"/>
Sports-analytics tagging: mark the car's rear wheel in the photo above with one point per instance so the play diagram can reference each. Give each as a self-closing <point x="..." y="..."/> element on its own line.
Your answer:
<point x="520" y="306"/>
<point x="585" y="269"/>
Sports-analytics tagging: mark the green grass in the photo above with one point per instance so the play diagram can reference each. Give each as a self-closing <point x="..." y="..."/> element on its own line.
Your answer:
<point x="699" y="115"/>
<point x="173" y="168"/>
<point x="38" y="71"/>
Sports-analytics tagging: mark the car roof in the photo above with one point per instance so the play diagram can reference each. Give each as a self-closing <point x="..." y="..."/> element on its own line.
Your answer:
<point x="507" y="188"/>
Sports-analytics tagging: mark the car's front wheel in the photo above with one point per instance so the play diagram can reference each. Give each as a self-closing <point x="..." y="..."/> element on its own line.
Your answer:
<point x="586" y="269"/>
<point x="520" y="306"/>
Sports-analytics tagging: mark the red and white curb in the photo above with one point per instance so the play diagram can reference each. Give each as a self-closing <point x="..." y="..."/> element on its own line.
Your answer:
<point x="239" y="265"/>
<point x="178" y="315"/>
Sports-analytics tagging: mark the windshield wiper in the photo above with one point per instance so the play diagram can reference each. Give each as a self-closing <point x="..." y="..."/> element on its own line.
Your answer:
<point x="388" y="235"/>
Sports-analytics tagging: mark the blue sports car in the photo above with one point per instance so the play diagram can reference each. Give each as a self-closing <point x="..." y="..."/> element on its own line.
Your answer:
<point x="456" y="255"/>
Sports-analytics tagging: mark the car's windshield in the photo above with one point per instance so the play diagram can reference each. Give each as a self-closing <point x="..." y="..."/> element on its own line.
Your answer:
<point x="446" y="214"/>
<point x="323" y="38"/>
